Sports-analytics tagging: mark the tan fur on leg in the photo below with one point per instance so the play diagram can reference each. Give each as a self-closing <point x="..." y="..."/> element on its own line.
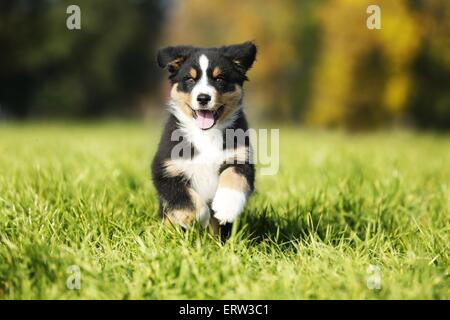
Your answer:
<point x="182" y="217"/>
<point x="187" y="217"/>
<point x="229" y="178"/>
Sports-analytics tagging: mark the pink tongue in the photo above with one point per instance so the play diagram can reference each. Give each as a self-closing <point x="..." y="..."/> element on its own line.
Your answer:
<point x="205" y="119"/>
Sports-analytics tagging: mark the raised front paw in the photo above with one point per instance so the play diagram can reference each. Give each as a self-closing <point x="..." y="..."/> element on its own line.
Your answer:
<point x="228" y="204"/>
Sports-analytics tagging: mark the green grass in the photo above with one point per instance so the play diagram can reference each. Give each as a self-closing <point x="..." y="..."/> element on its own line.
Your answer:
<point x="80" y="194"/>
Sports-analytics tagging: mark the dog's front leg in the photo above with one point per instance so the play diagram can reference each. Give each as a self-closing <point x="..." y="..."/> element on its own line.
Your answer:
<point x="185" y="215"/>
<point x="191" y="210"/>
<point x="180" y="204"/>
<point x="235" y="186"/>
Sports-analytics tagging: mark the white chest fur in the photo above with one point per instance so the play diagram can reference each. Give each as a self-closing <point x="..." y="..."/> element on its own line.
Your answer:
<point x="204" y="167"/>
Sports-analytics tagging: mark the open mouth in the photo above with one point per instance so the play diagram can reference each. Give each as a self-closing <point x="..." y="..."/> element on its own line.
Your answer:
<point x="206" y="119"/>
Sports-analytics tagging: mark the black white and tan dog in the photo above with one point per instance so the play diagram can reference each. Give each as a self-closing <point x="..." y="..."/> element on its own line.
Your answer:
<point x="201" y="171"/>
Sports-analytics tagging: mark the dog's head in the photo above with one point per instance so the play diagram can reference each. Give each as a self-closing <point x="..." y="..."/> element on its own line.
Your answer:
<point x="207" y="82"/>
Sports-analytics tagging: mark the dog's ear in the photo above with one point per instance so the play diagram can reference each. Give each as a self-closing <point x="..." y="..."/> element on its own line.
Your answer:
<point x="173" y="57"/>
<point x="242" y="55"/>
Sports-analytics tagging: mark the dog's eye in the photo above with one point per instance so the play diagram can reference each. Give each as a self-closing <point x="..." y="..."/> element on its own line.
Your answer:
<point x="189" y="80"/>
<point x="220" y="80"/>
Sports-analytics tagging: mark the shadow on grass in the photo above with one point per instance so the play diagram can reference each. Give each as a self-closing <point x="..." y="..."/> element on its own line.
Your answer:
<point x="332" y="222"/>
<point x="290" y="225"/>
<point x="268" y="225"/>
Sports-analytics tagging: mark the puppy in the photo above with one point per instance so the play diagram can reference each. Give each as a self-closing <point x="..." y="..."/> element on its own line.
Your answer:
<point x="203" y="169"/>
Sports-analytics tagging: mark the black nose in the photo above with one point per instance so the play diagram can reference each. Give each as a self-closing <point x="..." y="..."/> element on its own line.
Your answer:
<point x="203" y="99"/>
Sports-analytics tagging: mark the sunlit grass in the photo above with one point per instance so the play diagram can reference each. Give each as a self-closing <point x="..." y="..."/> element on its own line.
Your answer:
<point x="82" y="195"/>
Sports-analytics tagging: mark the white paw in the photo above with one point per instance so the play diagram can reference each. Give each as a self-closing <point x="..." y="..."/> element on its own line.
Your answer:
<point x="228" y="204"/>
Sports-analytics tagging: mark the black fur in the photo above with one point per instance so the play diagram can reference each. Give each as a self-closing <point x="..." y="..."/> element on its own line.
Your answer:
<point x="172" y="191"/>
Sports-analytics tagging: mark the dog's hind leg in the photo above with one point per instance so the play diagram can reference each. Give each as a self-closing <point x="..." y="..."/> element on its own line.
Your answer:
<point x="223" y="231"/>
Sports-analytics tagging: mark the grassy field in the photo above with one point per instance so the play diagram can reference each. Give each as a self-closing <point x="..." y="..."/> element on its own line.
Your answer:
<point x="80" y="194"/>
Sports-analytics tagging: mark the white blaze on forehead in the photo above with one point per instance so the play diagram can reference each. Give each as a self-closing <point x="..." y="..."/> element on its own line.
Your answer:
<point x="202" y="86"/>
<point x="204" y="62"/>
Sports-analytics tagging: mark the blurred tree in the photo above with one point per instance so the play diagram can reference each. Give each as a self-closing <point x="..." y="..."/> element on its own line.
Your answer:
<point x="367" y="78"/>
<point x="103" y="68"/>
<point x="308" y="44"/>
<point x="430" y="99"/>
<point x="318" y="63"/>
<point x="363" y="75"/>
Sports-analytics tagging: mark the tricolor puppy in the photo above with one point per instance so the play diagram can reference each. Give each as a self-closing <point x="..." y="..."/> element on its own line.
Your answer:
<point x="203" y="169"/>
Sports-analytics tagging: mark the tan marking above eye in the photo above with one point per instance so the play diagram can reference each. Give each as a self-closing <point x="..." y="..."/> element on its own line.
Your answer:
<point x="193" y="73"/>
<point x="216" y="72"/>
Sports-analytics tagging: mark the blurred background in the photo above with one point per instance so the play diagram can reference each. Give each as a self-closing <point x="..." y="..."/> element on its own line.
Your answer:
<point x="318" y="64"/>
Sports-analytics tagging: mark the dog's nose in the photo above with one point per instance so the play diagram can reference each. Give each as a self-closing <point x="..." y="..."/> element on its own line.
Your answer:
<point x="203" y="99"/>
